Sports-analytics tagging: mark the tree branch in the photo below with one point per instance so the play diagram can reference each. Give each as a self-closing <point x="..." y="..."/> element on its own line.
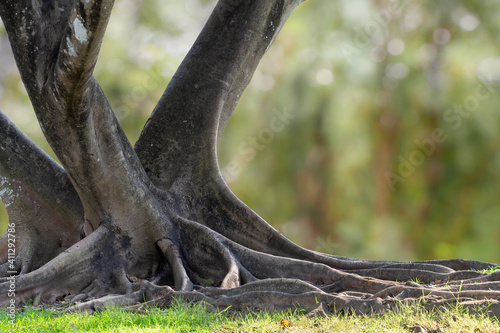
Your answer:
<point x="203" y="93"/>
<point x="24" y="162"/>
<point x="39" y="198"/>
<point x="73" y="111"/>
<point x="79" y="49"/>
<point x="252" y="56"/>
<point x="35" y="29"/>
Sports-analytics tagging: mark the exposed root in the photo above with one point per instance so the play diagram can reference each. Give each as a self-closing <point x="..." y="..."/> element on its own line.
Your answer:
<point x="416" y="273"/>
<point x="202" y="264"/>
<point x="230" y="257"/>
<point x="76" y="270"/>
<point x="182" y="281"/>
<point x="286" y="294"/>
<point x="243" y="226"/>
<point x="270" y="295"/>
<point x="225" y="274"/>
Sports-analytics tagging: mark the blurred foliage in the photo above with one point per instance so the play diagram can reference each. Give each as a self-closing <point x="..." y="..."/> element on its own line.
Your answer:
<point x="370" y="129"/>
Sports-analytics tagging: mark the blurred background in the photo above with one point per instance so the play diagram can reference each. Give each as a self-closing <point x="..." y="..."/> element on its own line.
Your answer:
<point x="371" y="128"/>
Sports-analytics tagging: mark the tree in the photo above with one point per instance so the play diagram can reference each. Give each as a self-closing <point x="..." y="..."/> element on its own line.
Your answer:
<point x="127" y="224"/>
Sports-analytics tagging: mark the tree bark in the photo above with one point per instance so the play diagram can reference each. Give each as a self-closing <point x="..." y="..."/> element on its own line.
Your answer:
<point x="157" y="220"/>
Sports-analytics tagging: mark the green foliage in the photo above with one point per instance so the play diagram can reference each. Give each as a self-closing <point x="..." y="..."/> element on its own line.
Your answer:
<point x="369" y="87"/>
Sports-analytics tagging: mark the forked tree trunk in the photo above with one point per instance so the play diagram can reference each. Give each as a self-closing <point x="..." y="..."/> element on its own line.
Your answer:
<point x="157" y="220"/>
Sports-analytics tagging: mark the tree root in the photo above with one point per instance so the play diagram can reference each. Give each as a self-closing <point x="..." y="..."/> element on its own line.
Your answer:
<point x="87" y="267"/>
<point x="223" y="273"/>
<point x="292" y="294"/>
<point x="245" y="227"/>
<point x="202" y="265"/>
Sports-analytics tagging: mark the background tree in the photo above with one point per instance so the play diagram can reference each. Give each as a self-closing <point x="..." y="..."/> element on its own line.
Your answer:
<point x="159" y="214"/>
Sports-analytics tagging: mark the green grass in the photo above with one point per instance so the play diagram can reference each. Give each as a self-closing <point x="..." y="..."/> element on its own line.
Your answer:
<point x="195" y="318"/>
<point x="490" y="270"/>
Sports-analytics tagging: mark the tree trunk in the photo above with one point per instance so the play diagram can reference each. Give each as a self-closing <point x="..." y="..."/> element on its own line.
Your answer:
<point x="149" y="222"/>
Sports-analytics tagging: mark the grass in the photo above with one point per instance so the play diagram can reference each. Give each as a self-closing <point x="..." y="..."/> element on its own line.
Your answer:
<point x="195" y="318"/>
<point x="490" y="270"/>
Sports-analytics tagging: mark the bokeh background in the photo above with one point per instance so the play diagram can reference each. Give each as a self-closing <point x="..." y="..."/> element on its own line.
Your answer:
<point x="371" y="128"/>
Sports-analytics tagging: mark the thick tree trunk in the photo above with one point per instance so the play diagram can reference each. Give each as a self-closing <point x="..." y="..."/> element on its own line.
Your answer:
<point x="157" y="220"/>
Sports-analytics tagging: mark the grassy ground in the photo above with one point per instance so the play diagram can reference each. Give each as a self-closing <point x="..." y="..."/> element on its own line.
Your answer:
<point x="195" y="318"/>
